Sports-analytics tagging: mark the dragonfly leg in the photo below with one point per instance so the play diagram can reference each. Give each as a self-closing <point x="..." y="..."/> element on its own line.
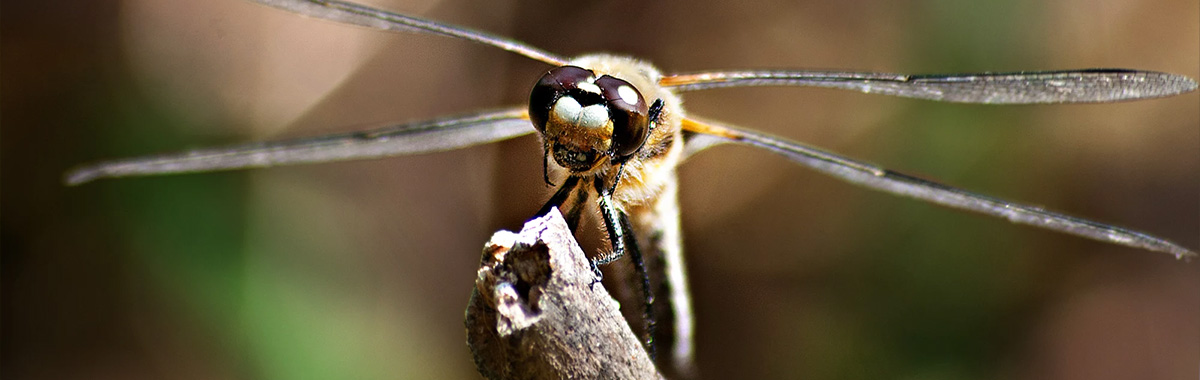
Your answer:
<point x="546" y="163"/>
<point x="574" y="210"/>
<point x="620" y="234"/>
<point x="559" y="196"/>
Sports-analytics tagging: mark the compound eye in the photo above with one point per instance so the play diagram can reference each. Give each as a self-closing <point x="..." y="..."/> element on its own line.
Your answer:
<point x="554" y="85"/>
<point x="629" y="114"/>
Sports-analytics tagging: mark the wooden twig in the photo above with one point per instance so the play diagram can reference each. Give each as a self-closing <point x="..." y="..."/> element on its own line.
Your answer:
<point x="537" y="312"/>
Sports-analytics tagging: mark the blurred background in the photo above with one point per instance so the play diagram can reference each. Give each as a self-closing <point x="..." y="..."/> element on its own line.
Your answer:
<point x="362" y="270"/>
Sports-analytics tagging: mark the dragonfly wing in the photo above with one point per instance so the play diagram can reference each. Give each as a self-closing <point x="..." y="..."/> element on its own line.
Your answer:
<point x="354" y="14"/>
<point x="1032" y="87"/>
<point x="413" y="138"/>
<point x="878" y="178"/>
<point x="696" y="142"/>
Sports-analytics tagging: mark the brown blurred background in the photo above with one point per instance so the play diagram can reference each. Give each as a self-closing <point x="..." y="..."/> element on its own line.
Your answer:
<point x="362" y="270"/>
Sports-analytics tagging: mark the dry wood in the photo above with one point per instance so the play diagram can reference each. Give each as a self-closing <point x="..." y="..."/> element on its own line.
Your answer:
<point x="537" y="312"/>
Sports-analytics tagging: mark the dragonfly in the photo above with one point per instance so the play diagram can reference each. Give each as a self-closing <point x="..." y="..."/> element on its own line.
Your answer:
<point x="613" y="132"/>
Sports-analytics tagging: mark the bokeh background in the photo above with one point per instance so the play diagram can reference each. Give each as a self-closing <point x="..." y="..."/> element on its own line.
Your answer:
<point x="362" y="270"/>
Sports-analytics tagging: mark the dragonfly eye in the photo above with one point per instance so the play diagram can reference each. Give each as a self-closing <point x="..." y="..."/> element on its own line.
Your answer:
<point x="629" y="114"/>
<point x="557" y="83"/>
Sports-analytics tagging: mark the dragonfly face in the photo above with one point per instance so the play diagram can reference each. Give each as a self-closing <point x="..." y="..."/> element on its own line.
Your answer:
<point x="585" y="118"/>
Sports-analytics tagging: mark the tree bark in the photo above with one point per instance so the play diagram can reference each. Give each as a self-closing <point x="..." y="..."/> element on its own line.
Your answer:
<point x="538" y="312"/>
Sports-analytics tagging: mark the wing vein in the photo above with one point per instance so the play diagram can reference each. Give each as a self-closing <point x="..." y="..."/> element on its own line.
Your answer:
<point x="1029" y="87"/>
<point x="881" y="179"/>
<point x="354" y="14"/>
<point x="412" y="138"/>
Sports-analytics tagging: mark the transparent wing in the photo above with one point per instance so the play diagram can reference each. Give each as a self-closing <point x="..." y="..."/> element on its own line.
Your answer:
<point x="414" y="138"/>
<point x="354" y="14"/>
<point x="877" y="178"/>
<point x="1030" y="87"/>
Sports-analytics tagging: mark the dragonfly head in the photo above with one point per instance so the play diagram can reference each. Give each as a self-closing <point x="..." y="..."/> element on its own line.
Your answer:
<point x="586" y="118"/>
